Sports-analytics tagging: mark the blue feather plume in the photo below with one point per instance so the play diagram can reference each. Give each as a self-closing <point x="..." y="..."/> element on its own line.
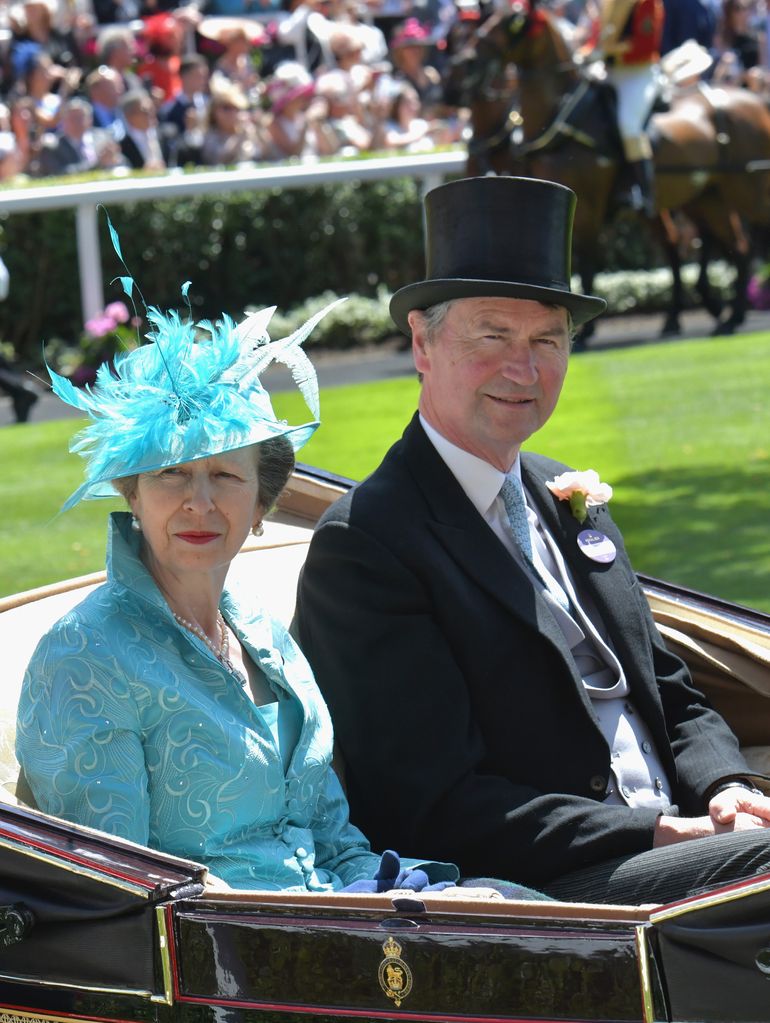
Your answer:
<point x="192" y="392"/>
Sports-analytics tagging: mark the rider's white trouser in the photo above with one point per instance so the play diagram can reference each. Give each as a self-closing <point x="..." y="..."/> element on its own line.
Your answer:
<point x="636" y="89"/>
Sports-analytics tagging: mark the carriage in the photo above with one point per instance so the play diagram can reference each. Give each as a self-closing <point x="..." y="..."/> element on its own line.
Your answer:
<point x="96" y="928"/>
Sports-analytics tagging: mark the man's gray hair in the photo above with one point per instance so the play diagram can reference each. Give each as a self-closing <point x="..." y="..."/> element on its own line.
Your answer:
<point x="436" y="314"/>
<point x="112" y="38"/>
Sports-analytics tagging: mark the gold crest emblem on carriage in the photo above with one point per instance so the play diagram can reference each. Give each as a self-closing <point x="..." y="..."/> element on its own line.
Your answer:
<point x="394" y="975"/>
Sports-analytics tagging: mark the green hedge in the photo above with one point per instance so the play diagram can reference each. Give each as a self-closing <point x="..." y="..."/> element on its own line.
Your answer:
<point x="292" y="248"/>
<point x="246" y="249"/>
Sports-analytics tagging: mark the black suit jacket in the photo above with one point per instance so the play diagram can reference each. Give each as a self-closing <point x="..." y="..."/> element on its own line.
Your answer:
<point x="466" y="731"/>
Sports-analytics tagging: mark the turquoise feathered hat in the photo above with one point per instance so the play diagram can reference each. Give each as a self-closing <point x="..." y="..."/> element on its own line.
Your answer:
<point x="192" y="392"/>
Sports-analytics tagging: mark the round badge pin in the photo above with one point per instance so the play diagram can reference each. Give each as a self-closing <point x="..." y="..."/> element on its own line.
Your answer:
<point x="596" y="546"/>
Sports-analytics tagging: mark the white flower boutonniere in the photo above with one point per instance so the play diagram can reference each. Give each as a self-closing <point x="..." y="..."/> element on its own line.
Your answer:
<point x="583" y="490"/>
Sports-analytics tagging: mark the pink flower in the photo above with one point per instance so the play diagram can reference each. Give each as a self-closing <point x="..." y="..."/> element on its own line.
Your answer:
<point x="118" y="312"/>
<point x="582" y="489"/>
<point x="99" y="326"/>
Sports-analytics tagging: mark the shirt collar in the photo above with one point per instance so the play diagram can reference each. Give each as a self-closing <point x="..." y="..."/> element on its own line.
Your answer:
<point x="480" y="480"/>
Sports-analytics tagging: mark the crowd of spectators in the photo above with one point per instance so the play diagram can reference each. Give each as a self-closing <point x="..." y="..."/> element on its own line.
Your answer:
<point x="131" y="84"/>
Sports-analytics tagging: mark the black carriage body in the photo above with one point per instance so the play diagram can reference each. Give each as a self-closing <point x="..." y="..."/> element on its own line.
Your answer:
<point x="95" y="929"/>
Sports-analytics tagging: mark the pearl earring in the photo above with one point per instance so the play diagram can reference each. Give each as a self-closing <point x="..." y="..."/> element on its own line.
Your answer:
<point x="136" y="525"/>
<point x="258" y="529"/>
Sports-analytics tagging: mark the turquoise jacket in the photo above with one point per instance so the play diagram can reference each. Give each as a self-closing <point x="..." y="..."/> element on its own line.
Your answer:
<point x="129" y="724"/>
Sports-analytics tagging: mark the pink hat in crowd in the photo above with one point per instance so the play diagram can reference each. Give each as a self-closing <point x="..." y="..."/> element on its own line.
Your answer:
<point x="290" y="81"/>
<point x="411" y="33"/>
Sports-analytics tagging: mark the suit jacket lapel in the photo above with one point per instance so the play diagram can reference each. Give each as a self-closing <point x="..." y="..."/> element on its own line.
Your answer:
<point x="607" y="584"/>
<point x="471" y="543"/>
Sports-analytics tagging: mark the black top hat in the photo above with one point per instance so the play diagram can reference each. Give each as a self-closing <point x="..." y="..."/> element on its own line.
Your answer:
<point x="497" y="237"/>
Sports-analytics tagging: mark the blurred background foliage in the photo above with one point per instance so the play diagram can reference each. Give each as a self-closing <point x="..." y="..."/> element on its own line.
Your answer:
<point x="250" y="249"/>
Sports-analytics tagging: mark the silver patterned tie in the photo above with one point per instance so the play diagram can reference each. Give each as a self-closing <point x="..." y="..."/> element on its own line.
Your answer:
<point x="513" y="499"/>
<point x="515" y="508"/>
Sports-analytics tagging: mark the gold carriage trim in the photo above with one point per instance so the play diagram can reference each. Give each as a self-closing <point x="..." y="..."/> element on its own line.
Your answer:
<point x="394" y="975"/>
<point x="23" y="1017"/>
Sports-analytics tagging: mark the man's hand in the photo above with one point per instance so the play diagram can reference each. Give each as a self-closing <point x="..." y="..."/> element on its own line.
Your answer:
<point x="726" y="805"/>
<point x="670" y="830"/>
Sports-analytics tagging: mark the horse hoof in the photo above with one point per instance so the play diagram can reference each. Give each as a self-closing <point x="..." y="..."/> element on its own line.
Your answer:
<point x="725" y="329"/>
<point x="671" y="328"/>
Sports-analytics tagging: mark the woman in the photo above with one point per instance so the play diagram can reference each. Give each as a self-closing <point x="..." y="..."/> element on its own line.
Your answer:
<point x="409" y="48"/>
<point x="294" y="126"/>
<point x="161" y="709"/>
<point x="231" y="136"/>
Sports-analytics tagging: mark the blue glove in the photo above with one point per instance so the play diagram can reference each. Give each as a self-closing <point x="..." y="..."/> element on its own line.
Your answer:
<point x="390" y="875"/>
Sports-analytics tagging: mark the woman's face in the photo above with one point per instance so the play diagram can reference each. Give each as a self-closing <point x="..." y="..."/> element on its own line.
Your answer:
<point x="226" y="116"/>
<point x="195" y="516"/>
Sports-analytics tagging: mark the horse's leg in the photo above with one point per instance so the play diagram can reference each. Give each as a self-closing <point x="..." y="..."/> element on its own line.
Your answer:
<point x="584" y="333"/>
<point x="741" y="260"/>
<point x="668" y="234"/>
<point x="721" y="226"/>
<point x="710" y="300"/>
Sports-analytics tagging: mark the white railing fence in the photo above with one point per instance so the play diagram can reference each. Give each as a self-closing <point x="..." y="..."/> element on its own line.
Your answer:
<point x="429" y="169"/>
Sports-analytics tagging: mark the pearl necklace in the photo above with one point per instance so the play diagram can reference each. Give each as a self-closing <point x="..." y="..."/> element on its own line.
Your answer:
<point x="222" y="652"/>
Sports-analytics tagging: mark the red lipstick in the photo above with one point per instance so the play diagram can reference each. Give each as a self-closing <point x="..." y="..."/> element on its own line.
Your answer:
<point x="196" y="537"/>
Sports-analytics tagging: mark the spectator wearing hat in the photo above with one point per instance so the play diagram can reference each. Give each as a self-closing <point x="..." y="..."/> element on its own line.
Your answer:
<point x="343" y="127"/>
<point x="349" y="15"/>
<point x="140" y="142"/>
<point x="292" y="129"/>
<point x="231" y="136"/>
<point x="164" y="36"/>
<point x="409" y="47"/>
<point x="235" y="40"/>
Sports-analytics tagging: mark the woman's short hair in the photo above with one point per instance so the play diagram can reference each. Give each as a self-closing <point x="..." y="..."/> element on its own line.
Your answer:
<point x="275" y="464"/>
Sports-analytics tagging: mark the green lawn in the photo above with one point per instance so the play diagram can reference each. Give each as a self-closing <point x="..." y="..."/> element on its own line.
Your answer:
<point x="681" y="431"/>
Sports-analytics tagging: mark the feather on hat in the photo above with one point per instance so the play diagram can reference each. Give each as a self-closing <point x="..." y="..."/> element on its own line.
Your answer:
<point x="192" y="392"/>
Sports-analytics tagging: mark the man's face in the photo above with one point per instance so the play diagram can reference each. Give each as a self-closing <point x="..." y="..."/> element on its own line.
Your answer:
<point x="492" y="373"/>
<point x="196" y="80"/>
<point x="75" y="123"/>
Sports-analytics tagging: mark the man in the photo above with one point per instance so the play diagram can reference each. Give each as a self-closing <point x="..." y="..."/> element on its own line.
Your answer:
<point x="116" y="49"/>
<point x="104" y="89"/>
<point x="562" y="747"/>
<point x="139" y="141"/>
<point x="183" y="118"/>
<point x="77" y="148"/>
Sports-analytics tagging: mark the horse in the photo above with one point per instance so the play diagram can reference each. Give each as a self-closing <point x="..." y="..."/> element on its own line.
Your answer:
<point x="711" y="148"/>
